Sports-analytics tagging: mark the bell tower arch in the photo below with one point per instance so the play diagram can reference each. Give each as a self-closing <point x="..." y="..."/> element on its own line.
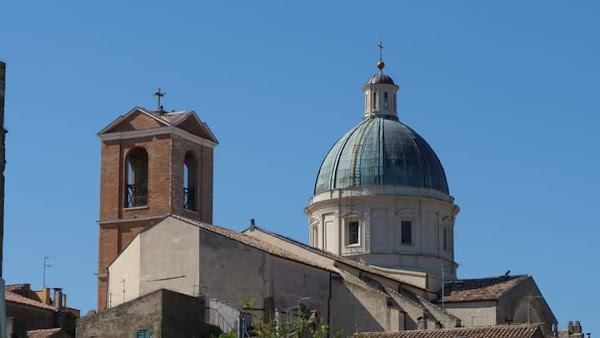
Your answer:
<point x="153" y="164"/>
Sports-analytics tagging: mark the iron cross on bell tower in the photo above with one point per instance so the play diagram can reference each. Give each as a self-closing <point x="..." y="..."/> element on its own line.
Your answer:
<point x="159" y="95"/>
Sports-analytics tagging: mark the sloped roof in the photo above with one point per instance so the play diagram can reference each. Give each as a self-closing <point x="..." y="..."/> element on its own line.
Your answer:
<point x="250" y="241"/>
<point x="23" y="287"/>
<point x="168" y="119"/>
<point x="334" y="257"/>
<point x="481" y="289"/>
<point x="501" y="331"/>
<point x="16" y="298"/>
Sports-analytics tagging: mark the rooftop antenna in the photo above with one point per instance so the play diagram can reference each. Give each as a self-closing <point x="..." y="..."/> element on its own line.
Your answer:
<point x="46" y="265"/>
<point x="159" y="95"/>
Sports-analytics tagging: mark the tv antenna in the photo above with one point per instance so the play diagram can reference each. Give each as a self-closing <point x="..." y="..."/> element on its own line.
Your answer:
<point x="46" y="265"/>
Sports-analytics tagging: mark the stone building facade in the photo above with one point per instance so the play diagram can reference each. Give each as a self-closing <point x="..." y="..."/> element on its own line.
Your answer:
<point x="161" y="313"/>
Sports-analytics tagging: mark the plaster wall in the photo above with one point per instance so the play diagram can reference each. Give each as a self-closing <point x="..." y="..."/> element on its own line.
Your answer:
<point x="525" y="303"/>
<point x="356" y="307"/>
<point x="474" y="313"/>
<point x="169" y="258"/>
<point x="124" y="275"/>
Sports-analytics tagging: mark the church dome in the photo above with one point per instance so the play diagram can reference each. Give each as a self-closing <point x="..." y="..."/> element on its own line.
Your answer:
<point x="381" y="151"/>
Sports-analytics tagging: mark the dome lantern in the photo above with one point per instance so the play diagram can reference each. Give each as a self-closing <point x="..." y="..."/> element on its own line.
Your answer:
<point x="380" y="94"/>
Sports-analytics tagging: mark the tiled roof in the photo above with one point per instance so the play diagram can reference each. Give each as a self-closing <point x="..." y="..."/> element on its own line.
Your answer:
<point x="468" y="290"/>
<point x="16" y="298"/>
<point x="43" y="333"/>
<point x="503" y="331"/>
<point x="253" y="242"/>
<point x="334" y="257"/>
<point x="18" y="288"/>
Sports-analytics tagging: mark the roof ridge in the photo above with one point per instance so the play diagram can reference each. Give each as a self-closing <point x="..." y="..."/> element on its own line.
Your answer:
<point x="499" y="326"/>
<point x="494" y="277"/>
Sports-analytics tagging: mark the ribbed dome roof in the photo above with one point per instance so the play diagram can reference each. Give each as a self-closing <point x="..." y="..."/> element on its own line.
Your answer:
<point x="380" y="78"/>
<point x="381" y="151"/>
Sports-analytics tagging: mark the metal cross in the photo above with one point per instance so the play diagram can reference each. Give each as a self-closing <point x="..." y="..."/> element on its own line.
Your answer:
<point x="380" y="45"/>
<point x="159" y="95"/>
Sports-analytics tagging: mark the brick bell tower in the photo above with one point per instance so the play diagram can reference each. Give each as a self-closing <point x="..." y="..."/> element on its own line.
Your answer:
<point x="154" y="163"/>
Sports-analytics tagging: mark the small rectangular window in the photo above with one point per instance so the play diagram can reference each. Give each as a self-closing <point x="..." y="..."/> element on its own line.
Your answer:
<point x="143" y="333"/>
<point x="353" y="232"/>
<point x="374" y="96"/>
<point x="406" y="232"/>
<point x="445" y="240"/>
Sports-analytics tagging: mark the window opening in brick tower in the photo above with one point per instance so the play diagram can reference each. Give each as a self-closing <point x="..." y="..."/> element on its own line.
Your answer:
<point x="189" y="182"/>
<point x="137" y="178"/>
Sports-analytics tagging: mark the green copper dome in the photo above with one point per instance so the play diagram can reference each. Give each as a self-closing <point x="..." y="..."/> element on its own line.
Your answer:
<point x="381" y="151"/>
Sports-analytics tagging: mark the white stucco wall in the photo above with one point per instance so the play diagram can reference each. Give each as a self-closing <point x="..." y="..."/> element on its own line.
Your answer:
<point x="124" y="275"/>
<point x="169" y="258"/>
<point x="474" y="313"/>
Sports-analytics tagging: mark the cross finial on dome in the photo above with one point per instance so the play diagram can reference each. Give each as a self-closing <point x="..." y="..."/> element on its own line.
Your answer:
<point x="380" y="63"/>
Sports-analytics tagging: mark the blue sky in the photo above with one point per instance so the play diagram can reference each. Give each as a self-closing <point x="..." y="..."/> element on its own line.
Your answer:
<point x="505" y="92"/>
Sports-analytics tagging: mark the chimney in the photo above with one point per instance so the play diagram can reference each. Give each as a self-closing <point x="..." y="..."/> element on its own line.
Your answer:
<point x="577" y="327"/>
<point x="252" y="224"/>
<point x="570" y="327"/>
<point x="58" y="299"/>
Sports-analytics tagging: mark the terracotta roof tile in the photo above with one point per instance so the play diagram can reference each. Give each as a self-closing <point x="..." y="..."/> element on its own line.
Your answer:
<point x="18" y="287"/>
<point x="16" y="298"/>
<point x="503" y="331"/>
<point x="468" y="290"/>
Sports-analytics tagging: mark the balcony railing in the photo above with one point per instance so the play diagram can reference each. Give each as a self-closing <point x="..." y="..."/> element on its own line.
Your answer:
<point x="137" y="195"/>
<point x="189" y="199"/>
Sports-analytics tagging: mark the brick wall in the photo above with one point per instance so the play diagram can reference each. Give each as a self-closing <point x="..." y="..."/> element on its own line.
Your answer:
<point x="204" y="172"/>
<point x="166" y="152"/>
